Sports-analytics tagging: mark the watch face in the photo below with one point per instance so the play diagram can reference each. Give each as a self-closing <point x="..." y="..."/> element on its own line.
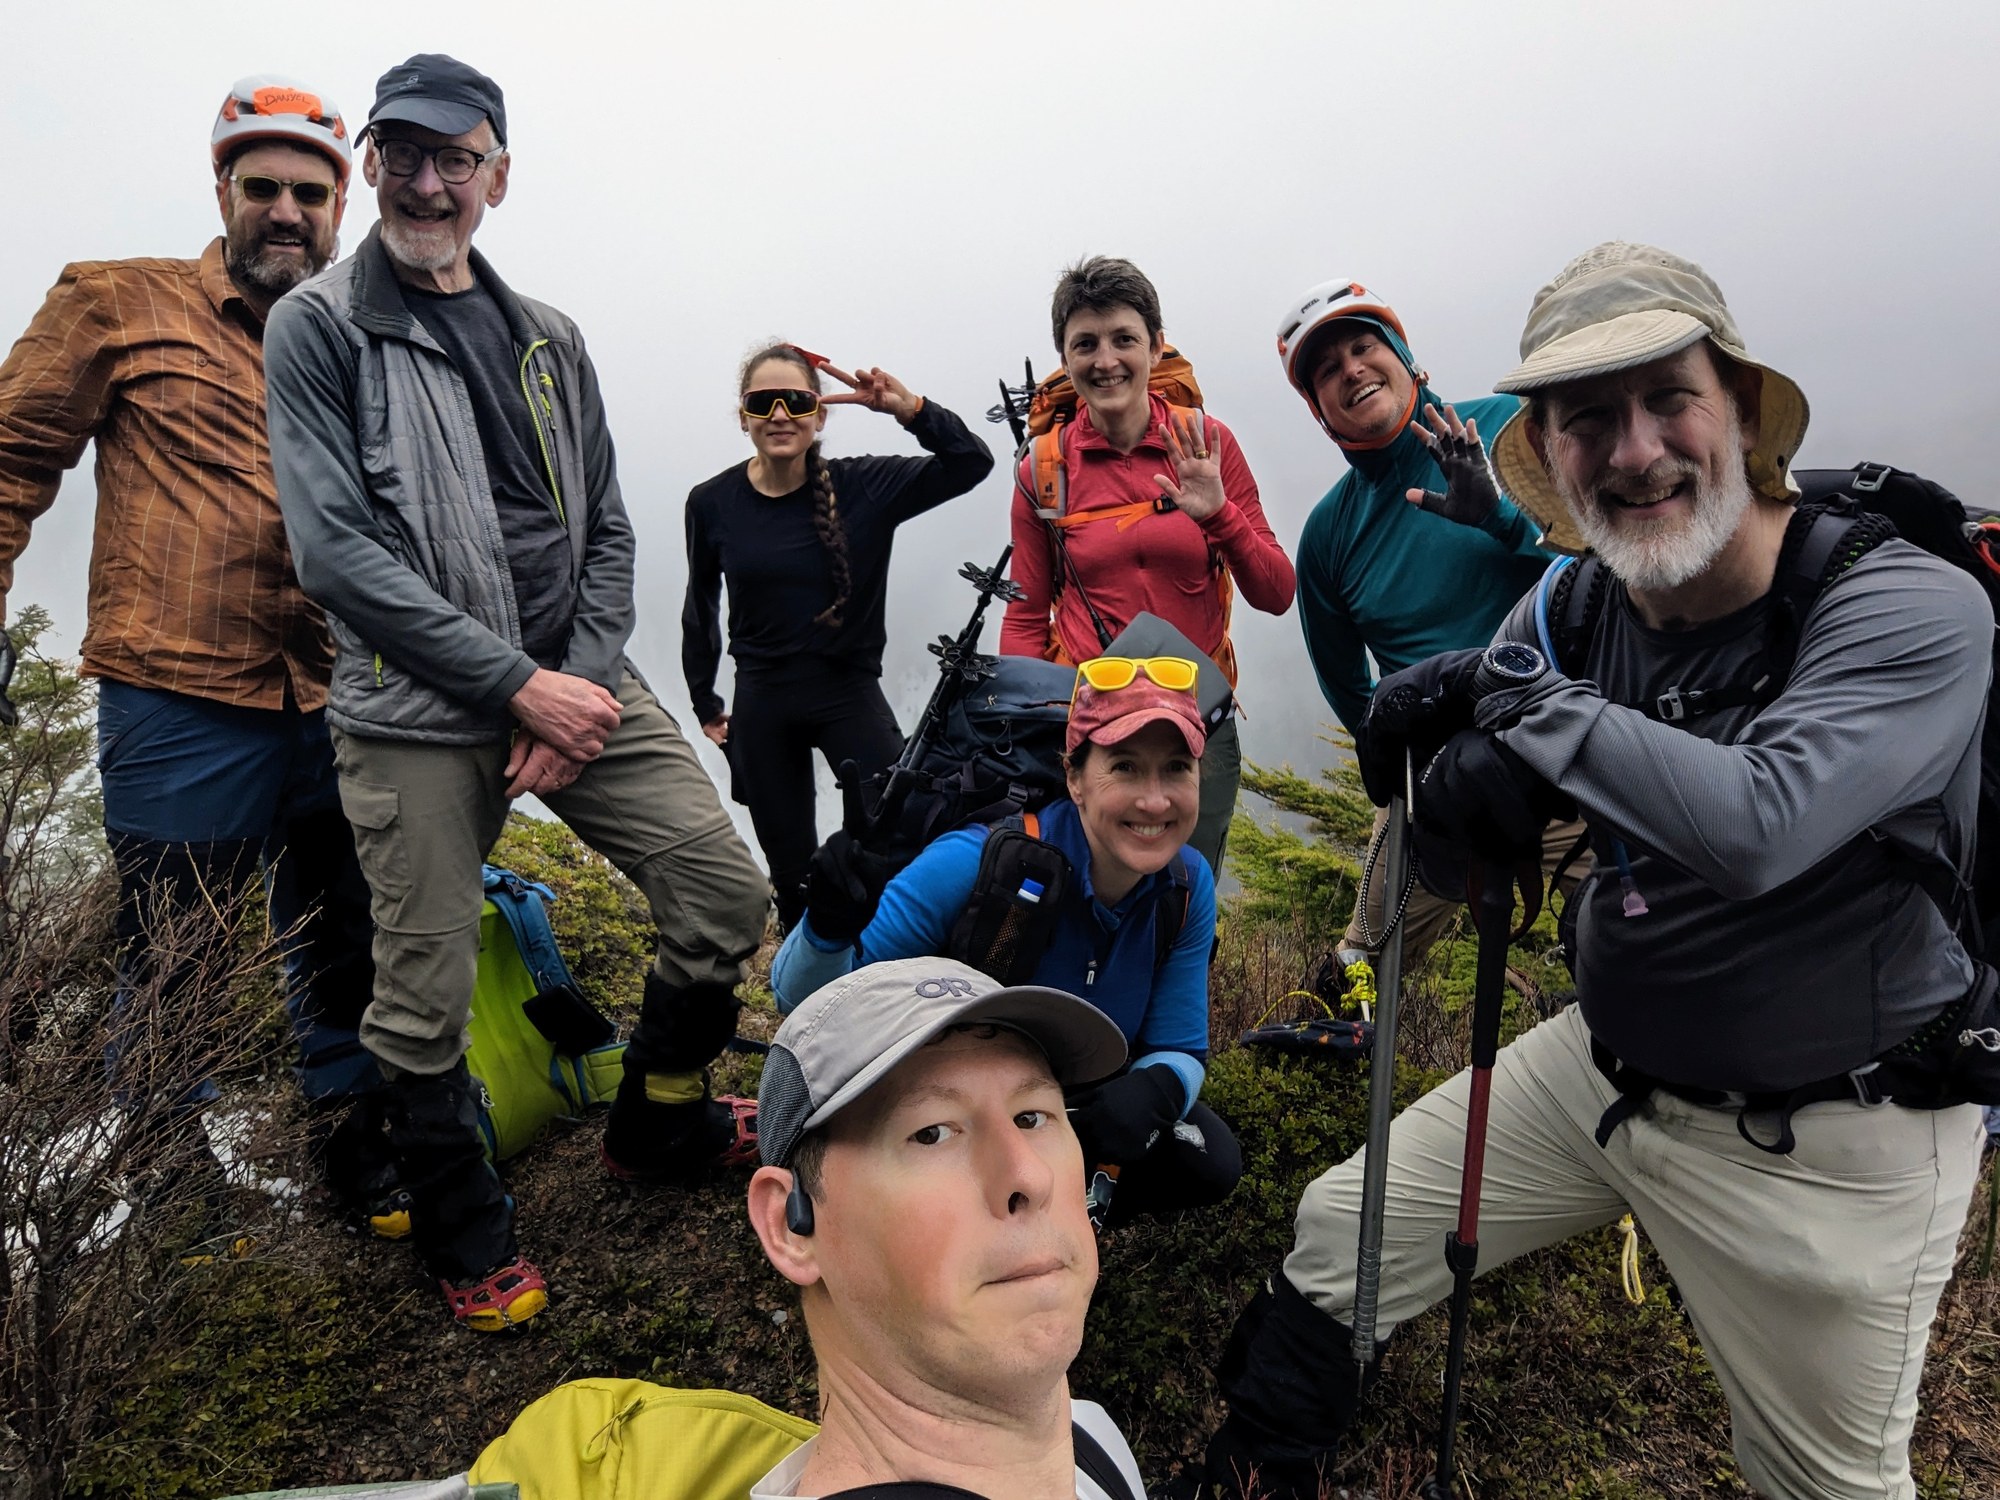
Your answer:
<point x="1513" y="659"/>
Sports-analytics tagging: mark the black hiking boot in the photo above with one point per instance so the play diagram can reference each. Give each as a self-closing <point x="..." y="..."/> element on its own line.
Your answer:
<point x="350" y="1149"/>
<point x="664" y="1127"/>
<point x="461" y="1219"/>
<point x="1293" y="1391"/>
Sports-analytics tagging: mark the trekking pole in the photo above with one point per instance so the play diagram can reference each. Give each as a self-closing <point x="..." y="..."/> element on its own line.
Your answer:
<point x="1492" y="891"/>
<point x="1382" y="1069"/>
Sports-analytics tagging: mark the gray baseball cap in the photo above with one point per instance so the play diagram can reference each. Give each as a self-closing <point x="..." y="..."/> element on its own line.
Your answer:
<point x="845" y="1038"/>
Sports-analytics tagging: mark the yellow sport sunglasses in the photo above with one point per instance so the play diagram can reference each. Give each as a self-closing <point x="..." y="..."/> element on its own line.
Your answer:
<point x="1110" y="673"/>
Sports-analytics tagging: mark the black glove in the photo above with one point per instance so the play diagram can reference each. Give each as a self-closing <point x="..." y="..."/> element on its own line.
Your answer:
<point x="1472" y="492"/>
<point x="845" y="880"/>
<point x="1118" y="1120"/>
<point x="1415" y="711"/>
<point x="1480" y="796"/>
<point x="844" y="883"/>
<point x="6" y="677"/>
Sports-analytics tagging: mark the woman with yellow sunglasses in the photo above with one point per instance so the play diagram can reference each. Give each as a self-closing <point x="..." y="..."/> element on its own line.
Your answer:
<point x="1132" y="923"/>
<point x="803" y="542"/>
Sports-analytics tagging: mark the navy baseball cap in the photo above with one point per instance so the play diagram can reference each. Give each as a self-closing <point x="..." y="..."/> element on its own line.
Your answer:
<point x="439" y="93"/>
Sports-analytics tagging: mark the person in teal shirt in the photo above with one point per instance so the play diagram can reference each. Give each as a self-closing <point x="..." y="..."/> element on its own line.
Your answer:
<point x="1413" y="552"/>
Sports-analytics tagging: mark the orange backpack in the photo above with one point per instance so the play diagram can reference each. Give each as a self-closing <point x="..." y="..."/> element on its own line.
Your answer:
<point x="1051" y="408"/>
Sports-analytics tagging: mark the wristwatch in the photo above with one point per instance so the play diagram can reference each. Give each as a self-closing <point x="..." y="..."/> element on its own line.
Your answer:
<point x="1507" y="664"/>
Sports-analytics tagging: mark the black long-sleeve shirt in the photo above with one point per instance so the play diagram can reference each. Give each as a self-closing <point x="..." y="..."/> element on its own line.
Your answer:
<point x="778" y="573"/>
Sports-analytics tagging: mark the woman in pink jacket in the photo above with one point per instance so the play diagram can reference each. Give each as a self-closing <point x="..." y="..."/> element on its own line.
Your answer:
<point x="1138" y="504"/>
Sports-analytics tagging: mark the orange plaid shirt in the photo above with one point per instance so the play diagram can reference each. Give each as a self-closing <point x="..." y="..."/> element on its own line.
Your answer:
<point x="191" y="583"/>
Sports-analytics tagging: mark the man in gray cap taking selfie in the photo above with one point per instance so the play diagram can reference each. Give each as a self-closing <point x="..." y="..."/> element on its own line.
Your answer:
<point x="923" y="1189"/>
<point x="451" y="496"/>
<point x="1778" y="1031"/>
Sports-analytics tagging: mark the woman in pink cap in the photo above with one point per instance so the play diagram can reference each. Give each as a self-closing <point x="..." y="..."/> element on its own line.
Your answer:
<point x="1097" y="895"/>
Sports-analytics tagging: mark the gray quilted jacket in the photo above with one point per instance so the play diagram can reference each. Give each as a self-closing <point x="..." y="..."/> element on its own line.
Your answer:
<point x="393" y="531"/>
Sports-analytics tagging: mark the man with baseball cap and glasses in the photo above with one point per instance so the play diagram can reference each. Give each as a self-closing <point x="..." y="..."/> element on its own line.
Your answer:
<point x="1778" y="1032"/>
<point x="450" y="490"/>
<point x="922" y="1187"/>
<point x="1413" y="551"/>
<point x="211" y="664"/>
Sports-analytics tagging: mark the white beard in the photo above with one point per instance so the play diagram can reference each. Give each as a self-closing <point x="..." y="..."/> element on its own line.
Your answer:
<point x="431" y="249"/>
<point x="1667" y="552"/>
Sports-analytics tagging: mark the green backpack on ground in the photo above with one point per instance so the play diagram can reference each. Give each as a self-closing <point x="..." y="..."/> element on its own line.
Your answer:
<point x="538" y="1049"/>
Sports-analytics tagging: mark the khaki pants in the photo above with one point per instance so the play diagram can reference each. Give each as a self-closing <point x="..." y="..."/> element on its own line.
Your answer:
<point x="425" y="816"/>
<point x="1811" y="1278"/>
<point x="1427" y="916"/>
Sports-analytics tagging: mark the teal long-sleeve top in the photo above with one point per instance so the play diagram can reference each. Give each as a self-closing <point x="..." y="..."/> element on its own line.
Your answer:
<point x="1379" y="577"/>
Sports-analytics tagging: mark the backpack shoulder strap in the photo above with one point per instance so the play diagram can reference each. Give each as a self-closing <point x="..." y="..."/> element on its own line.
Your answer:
<point x="1045" y="467"/>
<point x="524" y="905"/>
<point x="1568" y="604"/>
<point x="1823" y="540"/>
<point x="1170" y="913"/>
<point x="1098" y="1465"/>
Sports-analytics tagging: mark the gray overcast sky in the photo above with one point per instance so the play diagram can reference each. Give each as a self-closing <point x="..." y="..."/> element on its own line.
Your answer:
<point x="899" y="184"/>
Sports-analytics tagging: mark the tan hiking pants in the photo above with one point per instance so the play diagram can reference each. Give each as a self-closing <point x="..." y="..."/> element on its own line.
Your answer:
<point x="1811" y="1278"/>
<point x="425" y="816"/>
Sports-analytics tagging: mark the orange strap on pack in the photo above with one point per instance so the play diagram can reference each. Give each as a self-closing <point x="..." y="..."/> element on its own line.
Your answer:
<point x="1127" y="516"/>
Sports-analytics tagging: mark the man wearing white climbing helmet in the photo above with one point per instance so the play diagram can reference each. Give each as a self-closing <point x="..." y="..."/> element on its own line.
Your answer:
<point x="211" y="664"/>
<point x="1413" y="551"/>
<point x="1769" y="714"/>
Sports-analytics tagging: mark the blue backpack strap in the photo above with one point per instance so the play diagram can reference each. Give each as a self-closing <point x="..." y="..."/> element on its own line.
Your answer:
<point x="525" y="905"/>
<point x="1544" y="592"/>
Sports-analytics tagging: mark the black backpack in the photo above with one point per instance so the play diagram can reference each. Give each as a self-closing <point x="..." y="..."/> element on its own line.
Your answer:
<point x="999" y="754"/>
<point x="1843" y="514"/>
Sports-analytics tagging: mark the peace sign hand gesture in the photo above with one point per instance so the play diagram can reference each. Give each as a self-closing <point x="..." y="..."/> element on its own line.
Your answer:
<point x="877" y="390"/>
<point x="1197" y="483"/>
<point x="1471" y="490"/>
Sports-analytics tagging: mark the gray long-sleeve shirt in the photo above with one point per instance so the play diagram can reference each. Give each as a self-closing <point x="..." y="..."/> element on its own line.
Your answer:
<point x="1786" y="938"/>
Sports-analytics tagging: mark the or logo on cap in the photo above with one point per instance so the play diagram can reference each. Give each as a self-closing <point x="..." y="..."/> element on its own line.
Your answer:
<point x="942" y="989"/>
<point x="407" y="81"/>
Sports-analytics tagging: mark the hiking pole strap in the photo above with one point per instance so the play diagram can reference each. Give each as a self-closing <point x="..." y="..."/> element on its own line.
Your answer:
<point x="1381" y="1084"/>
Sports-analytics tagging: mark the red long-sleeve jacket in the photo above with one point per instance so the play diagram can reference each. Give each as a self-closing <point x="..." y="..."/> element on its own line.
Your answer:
<point x="1164" y="564"/>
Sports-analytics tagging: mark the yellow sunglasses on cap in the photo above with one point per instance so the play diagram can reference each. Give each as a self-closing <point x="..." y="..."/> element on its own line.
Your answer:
<point x="1110" y="673"/>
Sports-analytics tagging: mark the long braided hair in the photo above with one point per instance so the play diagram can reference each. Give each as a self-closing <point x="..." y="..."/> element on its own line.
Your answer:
<point x="826" y="504"/>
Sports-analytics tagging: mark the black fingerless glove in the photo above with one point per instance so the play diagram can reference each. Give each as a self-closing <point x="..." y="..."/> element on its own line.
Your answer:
<point x="1471" y="490"/>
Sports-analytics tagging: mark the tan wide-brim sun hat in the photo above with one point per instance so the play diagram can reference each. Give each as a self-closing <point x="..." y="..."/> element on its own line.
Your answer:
<point x="1613" y="308"/>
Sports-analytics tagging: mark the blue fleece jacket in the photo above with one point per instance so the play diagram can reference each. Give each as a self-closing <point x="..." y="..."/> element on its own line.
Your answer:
<point x="1381" y="577"/>
<point x="1103" y="953"/>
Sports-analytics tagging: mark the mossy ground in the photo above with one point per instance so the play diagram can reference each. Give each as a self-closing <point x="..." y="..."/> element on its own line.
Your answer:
<point x="329" y="1359"/>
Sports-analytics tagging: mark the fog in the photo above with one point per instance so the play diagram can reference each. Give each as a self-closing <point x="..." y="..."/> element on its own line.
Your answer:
<point x="900" y="184"/>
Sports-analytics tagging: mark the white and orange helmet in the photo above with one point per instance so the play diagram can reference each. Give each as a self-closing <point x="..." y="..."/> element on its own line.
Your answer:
<point x="266" y="107"/>
<point x="1332" y="302"/>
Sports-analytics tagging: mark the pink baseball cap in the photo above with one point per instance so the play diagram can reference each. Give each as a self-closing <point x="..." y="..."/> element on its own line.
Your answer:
<point x="1106" y="718"/>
